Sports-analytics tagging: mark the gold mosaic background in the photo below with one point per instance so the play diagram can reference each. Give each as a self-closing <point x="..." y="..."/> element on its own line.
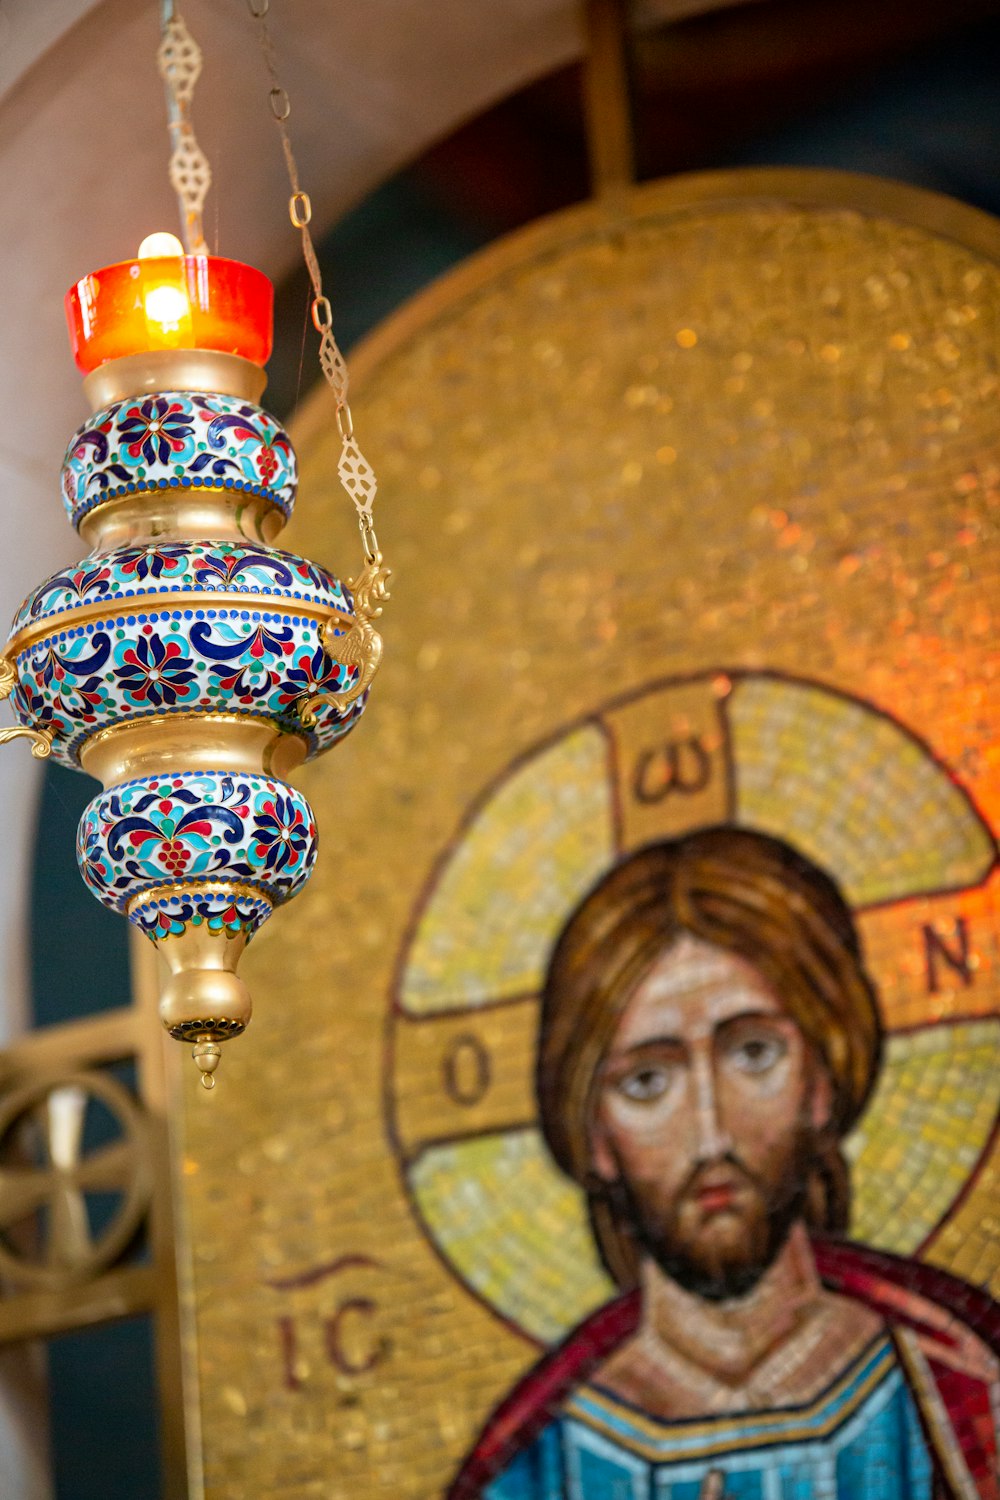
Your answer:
<point x="748" y="428"/>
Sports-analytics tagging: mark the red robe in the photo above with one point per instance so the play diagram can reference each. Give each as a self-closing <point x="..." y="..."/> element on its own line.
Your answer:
<point x="947" y="1335"/>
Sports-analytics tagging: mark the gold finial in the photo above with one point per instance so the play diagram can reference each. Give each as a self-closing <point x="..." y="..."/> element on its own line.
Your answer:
<point x="204" y="1001"/>
<point x="207" y="1056"/>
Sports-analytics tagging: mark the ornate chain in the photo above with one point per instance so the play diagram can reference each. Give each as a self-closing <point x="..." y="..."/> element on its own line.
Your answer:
<point x="356" y="473"/>
<point x="360" y="647"/>
<point x="179" y="60"/>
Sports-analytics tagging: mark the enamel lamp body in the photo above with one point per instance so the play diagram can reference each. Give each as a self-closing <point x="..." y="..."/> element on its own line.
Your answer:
<point x="186" y="662"/>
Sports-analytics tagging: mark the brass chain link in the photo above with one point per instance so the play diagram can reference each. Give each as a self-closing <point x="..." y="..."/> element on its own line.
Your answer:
<point x="356" y="474"/>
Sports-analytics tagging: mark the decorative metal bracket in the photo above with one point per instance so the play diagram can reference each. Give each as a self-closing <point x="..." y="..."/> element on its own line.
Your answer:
<point x="360" y="646"/>
<point x="41" y="739"/>
<point x="41" y="746"/>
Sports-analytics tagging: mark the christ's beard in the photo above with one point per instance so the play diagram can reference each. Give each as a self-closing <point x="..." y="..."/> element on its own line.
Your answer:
<point x="723" y="1254"/>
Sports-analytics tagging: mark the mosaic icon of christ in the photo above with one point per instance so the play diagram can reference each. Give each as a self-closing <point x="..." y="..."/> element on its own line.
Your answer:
<point x="709" y="1035"/>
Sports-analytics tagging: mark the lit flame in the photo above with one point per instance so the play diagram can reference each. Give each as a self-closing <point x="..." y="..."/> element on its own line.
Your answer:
<point x="167" y="304"/>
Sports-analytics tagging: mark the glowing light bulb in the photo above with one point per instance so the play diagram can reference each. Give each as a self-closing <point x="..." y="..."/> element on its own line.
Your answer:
<point x="160" y="244"/>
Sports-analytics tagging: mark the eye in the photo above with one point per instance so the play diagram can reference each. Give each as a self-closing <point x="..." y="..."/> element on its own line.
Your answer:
<point x="645" y="1085"/>
<point x="758" y="1054"/>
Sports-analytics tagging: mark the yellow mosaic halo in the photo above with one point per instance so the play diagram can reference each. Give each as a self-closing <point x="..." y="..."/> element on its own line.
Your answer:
<point x="830" y="774"/>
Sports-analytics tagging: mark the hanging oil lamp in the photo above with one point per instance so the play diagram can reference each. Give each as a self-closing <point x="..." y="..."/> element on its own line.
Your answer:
<point x="187" y="663"/>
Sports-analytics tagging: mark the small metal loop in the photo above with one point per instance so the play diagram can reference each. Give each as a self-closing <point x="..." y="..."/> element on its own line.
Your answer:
<point x="300" y="209"/>
<point x="368" y="538"/>
<point x="345" y="422"/>
<point x="259" y="8"/>
<point x="322" y="314"/>
<point x="281" y="106"/>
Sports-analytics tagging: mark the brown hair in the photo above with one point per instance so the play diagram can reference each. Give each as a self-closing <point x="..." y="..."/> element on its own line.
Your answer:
<point x="755" y="897"/>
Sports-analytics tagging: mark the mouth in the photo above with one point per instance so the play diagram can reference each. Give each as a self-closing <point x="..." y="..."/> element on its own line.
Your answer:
<point x="717" y="1194"/>
<point x="715" y="1200"/>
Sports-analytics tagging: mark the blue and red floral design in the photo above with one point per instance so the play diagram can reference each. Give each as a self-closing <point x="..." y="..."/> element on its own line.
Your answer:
<point x="157" y="648"/>
<point x="154" y="670"/>
<point x="193" y="830"/>
<point x="178" y="440"/>
<point x="258" y="663"/>
<point x="225" y="910"/>
<point x="131" y="573"/>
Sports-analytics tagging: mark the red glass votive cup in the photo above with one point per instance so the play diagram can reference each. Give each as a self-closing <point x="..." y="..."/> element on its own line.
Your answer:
<point x="170" y="302"/>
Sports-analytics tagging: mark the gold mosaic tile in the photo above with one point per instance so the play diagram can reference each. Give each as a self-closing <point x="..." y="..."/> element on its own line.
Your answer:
<point x="544" y="842"/>
<point x="854" y="792"/>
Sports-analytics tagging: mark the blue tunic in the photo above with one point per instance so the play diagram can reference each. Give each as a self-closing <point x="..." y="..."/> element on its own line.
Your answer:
<point x="860" y="1438"/>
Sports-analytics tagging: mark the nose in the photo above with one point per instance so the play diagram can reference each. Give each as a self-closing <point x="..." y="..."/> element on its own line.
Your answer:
<point x="712" y="1139"/>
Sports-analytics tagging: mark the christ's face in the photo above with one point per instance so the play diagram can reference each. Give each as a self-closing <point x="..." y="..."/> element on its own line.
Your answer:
<point x="709" y="1100"/>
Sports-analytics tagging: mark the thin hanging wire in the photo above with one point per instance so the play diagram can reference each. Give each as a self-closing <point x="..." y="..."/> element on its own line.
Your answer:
<point x="179" y="60"/>
<point x="356" y="474"/>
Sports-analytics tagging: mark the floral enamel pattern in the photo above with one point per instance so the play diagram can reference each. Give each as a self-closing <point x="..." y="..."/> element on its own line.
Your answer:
<point x="241" y="657"/>
<point x="178" y="567"/>
<point x="183" y="609"/>
<point x="128" y="666"/>
<point x="178" y="440"/>
<point x="230" y="911"/>
<point x="197" y="829"/>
